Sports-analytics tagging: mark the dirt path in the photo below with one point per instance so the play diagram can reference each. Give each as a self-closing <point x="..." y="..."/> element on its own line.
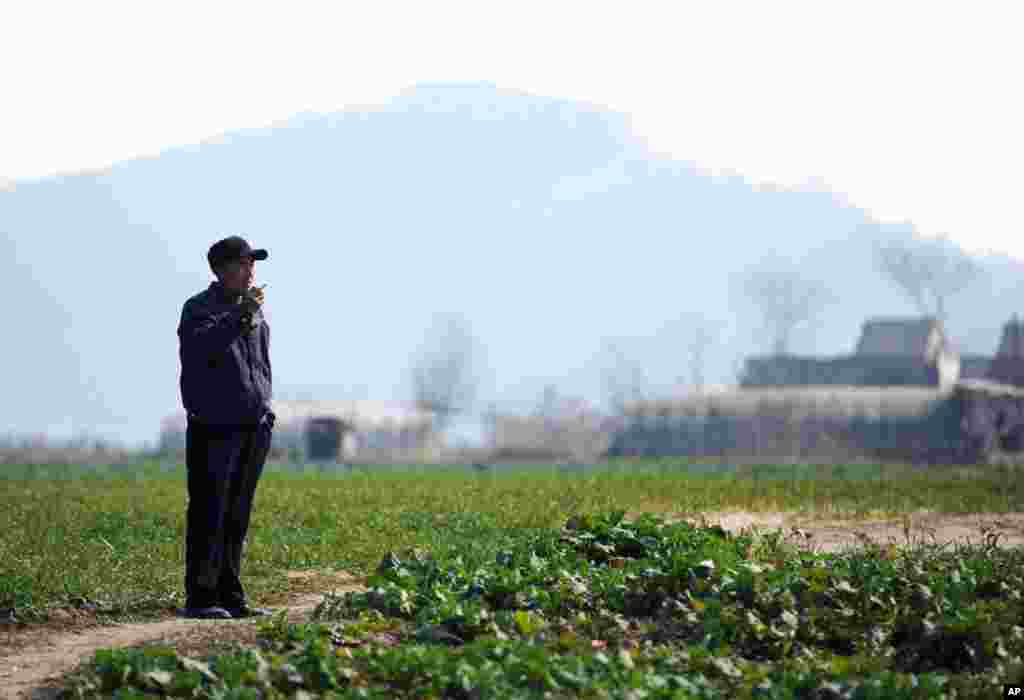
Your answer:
<point x="31" y="666"/>
<point x="833" y="535"/>
<point x="39" y="661"/>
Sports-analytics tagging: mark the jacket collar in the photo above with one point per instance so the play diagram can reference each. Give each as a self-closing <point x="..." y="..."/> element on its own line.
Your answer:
<point x="222" y="294"/>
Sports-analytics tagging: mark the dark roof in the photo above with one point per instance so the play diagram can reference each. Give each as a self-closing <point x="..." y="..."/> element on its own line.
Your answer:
<point x="802" y="400"/>
<point x="897" y="336"/>
<point x="1007" y="367"/>
<point x="1012" y="343"/>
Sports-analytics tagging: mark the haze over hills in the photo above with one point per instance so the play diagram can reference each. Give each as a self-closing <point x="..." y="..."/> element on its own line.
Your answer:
<point x="545" y="222"/>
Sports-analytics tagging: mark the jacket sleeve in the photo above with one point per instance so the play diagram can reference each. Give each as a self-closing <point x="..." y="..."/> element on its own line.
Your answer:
<point x="205" y="333"/>
<point x="266" y="352"/>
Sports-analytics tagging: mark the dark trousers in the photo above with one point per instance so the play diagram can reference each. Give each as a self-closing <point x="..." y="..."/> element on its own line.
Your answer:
<point x="224" y="466"/>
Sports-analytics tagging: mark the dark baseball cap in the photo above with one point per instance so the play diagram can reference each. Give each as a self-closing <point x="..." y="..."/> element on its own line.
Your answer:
<point x="233" y="248"/>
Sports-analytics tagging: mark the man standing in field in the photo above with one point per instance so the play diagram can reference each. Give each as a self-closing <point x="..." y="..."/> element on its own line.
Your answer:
<point x="224" y="347"/>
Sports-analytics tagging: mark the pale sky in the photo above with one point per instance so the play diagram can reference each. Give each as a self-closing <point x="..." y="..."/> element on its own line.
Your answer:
<point x="912" y="110"/>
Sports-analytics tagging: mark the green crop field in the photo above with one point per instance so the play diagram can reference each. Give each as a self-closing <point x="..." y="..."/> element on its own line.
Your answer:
<point x="532" y="582"/>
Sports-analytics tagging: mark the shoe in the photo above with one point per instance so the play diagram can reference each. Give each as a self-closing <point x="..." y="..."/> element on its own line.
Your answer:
<point x="213" y="612"/>
<point x="245" y="610"/>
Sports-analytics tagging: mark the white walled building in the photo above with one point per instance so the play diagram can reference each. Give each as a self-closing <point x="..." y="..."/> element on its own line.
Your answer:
<point x="337" y="430"/>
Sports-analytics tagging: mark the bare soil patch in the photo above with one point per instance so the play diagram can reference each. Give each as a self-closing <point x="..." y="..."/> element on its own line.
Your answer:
<point x="836" y="535"/>
<point x="33" y="662"/>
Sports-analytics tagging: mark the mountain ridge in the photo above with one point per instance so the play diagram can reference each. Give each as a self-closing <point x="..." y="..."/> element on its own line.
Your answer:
<point x="378" y="219"/>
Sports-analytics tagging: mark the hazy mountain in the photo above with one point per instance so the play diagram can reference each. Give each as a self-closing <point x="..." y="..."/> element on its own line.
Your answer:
<point x="545" y="222"/>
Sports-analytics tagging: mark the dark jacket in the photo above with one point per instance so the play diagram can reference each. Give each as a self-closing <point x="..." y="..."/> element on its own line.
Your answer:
<point x="225" y="361"/>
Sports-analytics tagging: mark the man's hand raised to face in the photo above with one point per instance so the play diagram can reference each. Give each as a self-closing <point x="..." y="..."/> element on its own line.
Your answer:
<point x="252" y="300"/>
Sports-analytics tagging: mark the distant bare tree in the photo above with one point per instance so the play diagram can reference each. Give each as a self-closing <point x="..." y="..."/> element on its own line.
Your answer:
<point x="570" y="425"/>
<point x="929" y="272"/>
<point x="700" y="342"/>
<point x="442" y="374"/>
<point x="548" y="409"/>
<point x="700" y="336"/>
<point x="785" y="299"/>
<point x="547" y="406"/>
<point x="695" y="336"/>
<point x="490" y="419"/>
<point x="623" y="379"/>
